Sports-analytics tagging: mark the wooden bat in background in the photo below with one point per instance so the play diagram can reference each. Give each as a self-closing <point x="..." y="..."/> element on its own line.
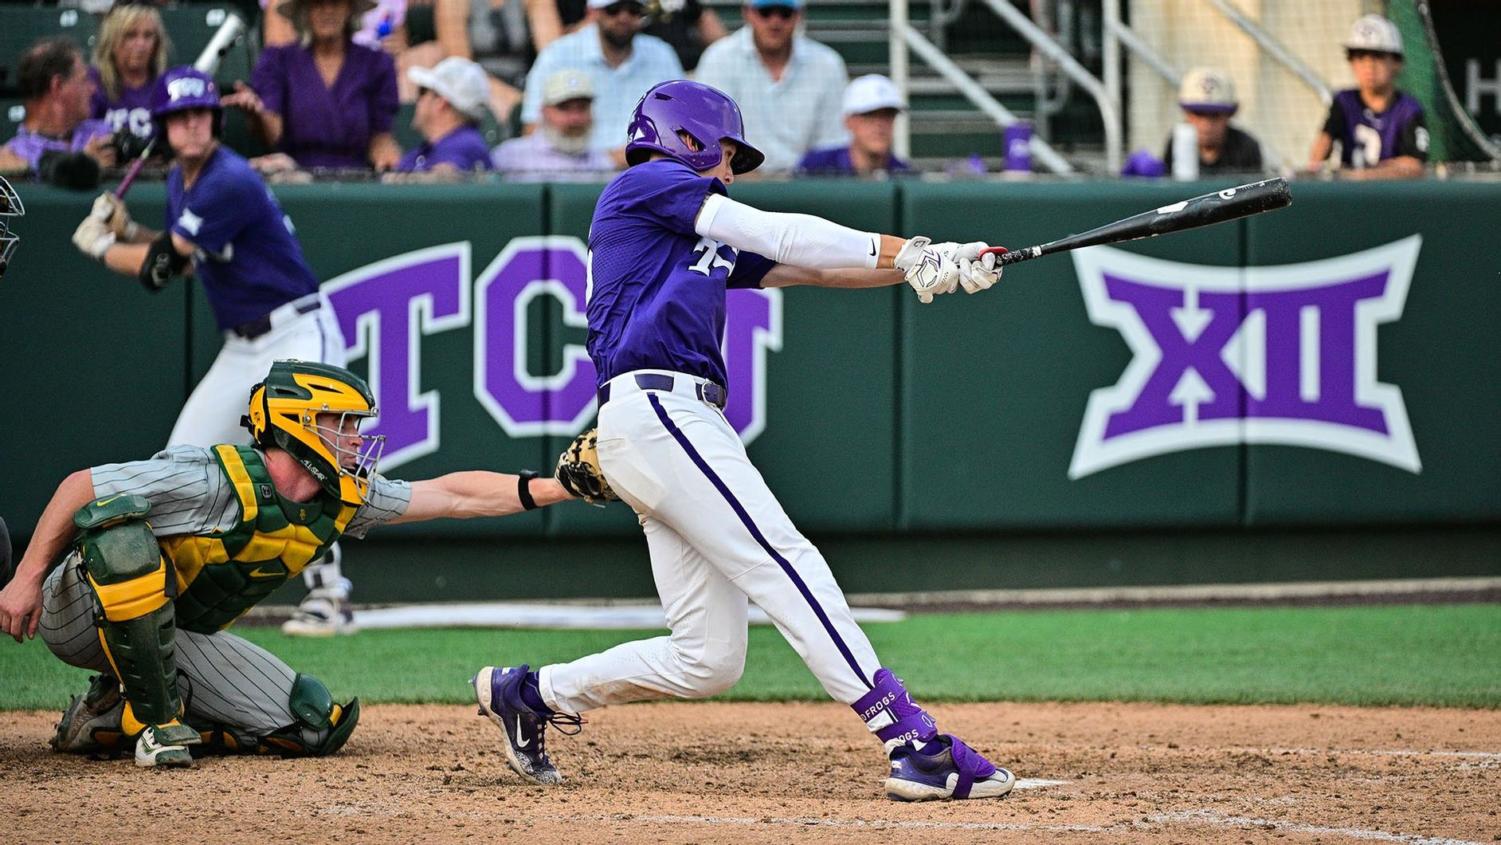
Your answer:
<point x="1218" y="207"/>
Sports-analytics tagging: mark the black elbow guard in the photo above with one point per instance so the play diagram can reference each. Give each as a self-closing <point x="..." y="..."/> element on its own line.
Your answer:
<point x="162" y="263"/>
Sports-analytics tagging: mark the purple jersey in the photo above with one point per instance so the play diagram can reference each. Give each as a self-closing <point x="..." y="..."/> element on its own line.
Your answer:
<point x="131" y="110"/>
<point x="248" y="259"/>
<point x="835" y="161"/>
<point x="327" y="126"/>
<point x="1366" y="137"/>
<point x="31" y="146"/>
<point x="657" y="289"/>
<point x="464" y="148"/>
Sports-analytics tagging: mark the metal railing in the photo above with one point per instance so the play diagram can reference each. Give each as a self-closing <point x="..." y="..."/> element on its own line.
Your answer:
<point x="1272" y="47"/>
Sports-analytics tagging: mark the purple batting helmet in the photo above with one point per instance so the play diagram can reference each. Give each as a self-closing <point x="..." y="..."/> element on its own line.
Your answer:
<point x="183" y="88"/>
<point x="705" y="113"/>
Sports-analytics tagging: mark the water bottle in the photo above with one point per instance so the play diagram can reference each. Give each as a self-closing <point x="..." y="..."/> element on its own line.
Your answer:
<point x="1185" y="152"/>
<point x="1018" y="141"/>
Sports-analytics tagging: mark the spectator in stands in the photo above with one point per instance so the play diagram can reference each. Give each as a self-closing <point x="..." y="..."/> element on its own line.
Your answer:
<point x="325" y="101"/>
<point x="621" y="65"/>
<point x="1207" y="97"/>
<point x="493" y="33"/>
<point x="560" y="146"/>
<point x="452" y="99"/>
<point x="789" y="87"/>
<point x="688" y="25"/>
<point x="1381" y="131"/>
<point x="130" y="54"/>
<point x="382" y="26"/>
<point x="871" y="104"/>
<point x="57" y="140"/>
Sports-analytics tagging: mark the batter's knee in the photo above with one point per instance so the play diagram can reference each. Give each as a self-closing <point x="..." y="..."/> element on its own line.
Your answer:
<point x="712" y="671"/>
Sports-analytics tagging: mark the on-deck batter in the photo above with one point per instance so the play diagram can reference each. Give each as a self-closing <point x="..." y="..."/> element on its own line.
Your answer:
<point x="223" y="221"/>
<point x="664" y="245"/>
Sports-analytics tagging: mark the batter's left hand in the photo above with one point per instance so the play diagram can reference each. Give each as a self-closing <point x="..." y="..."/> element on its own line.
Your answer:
<point x="977" y="272"/>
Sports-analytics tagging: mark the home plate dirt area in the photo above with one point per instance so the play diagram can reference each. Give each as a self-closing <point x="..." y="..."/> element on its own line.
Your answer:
<point x="791" y="773"/>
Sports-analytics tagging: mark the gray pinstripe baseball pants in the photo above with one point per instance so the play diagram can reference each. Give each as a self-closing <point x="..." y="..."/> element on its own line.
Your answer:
<point x="221" y="677"/>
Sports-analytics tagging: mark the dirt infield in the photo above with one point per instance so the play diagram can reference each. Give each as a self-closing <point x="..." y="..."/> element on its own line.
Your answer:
<point x="802" y="773"/>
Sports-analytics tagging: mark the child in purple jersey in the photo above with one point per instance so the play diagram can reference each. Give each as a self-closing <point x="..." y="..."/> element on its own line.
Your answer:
<point x="1380" y="129"/>
<point x="225" y="227"/>
<point x="452" y="98"/>
<point x="664" y="245"/>
<point x="325" y="102"/>
<point x="130" y="54"/>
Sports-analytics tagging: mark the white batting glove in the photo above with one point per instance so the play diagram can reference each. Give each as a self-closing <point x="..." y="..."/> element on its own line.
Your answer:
<point x="977" y="272"/>
<point x="110" y="210"/>
<point x="928" y="267"/>
<point x="93" y="237"/>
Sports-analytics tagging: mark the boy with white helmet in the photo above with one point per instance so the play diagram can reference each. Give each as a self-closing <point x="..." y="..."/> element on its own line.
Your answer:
<point x="1381" y="130"/>
<point x="1207" y="97"/>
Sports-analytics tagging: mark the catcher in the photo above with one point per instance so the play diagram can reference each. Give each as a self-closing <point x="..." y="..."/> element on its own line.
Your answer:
<point x="159" y="557"/>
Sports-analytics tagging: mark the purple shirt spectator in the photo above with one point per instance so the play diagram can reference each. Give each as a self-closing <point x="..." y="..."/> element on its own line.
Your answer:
<point x="533" y="158"/>
<point x="131" y="110"/>
<point x="327" y="126"/>
<point x="463" y="148"/>
<point x="1367" y="138"/>
<point x="31" y="146"/>
<point x="836" y="161"/>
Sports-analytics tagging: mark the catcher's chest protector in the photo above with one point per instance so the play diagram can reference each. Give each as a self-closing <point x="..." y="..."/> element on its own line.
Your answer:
<point x="222" y="575"/>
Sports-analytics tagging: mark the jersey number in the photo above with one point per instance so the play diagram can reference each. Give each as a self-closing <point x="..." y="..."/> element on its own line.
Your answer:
<point x="710" y="258"/>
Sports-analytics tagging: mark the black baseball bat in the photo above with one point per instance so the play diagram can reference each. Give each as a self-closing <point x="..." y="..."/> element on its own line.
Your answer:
<point x="1218" y="207"/>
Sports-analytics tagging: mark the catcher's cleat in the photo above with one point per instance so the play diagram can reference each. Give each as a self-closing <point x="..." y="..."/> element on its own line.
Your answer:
<point x="321" y="614"/>
<point x="953" y="770"/>
<point x="91" y="722"/>
<point x="498" y="693"/>
<point x="163" y="746"/>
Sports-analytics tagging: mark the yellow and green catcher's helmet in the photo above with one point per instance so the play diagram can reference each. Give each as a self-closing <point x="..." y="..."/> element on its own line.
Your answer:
<point x="284" y="413"/>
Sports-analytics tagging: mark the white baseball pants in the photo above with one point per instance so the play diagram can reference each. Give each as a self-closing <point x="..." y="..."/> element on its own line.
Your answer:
<point x="718" y="538"/>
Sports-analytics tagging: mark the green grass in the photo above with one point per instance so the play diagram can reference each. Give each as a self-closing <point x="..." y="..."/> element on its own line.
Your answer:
<point x="1447" y="656"/>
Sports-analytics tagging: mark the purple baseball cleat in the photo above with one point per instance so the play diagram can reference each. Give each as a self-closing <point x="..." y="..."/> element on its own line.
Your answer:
<point x="925" y="765"/>
<point x="498" y="693"/>
<point x="953" y="771"/>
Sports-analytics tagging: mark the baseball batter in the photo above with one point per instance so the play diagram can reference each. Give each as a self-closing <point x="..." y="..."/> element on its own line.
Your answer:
<point x="160" y="556"/>
<point x="225" y="227"/>
<point x="665" y="243"/>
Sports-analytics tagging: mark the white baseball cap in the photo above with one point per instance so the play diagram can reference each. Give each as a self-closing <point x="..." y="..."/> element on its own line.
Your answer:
<point x="872" y="92"/>
<point x="464" y="84"/>
<point x="1207" y="90"/>
<point x="1376" y="34"/>
<point x="567" y="84"/>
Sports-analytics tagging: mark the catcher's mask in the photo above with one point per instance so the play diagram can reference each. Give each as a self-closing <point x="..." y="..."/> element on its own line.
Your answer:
<point x="10" y="206"/>
<point x="284" y="412"/>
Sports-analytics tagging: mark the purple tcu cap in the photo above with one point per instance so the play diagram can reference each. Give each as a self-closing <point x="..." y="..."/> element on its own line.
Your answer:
<point x="705" y="113"/>
<point x="183" y="88"/>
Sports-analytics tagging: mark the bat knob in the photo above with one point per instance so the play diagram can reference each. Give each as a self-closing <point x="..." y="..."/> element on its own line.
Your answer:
<point x="994" y="250"/>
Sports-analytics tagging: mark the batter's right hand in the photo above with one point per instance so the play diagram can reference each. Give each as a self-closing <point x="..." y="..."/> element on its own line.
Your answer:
<point x="110" y="210"/>
<point x="20" y="608"/>
<point x="931" y="269"/>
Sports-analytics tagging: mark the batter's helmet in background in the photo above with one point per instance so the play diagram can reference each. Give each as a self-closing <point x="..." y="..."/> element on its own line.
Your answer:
<point x="180" y="89"/>
<point x="705" y="113"/>
<point x="10" y="206"/>
<point x="284" y="413"/>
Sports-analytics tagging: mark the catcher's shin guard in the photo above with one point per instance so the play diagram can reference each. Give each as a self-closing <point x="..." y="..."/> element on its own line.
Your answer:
<point x="322" y="727"/>
<point x="133" y="588"/>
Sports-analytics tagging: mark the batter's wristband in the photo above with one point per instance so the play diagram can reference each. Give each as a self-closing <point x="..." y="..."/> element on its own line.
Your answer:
<point x="523" y="480"/>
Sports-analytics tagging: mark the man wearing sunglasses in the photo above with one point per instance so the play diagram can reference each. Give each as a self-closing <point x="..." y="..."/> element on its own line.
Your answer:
<point x="790" y="88"/>
<point x="1380" y="129"/>
<point x="620" y="61"/>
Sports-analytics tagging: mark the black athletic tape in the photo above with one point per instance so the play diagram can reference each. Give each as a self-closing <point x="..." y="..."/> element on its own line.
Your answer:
<point x="522" y="481"/>
<point x="163" y="261"/>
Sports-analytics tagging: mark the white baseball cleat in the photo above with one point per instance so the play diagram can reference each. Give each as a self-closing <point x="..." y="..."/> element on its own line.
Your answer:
<point x="321" y="614"/>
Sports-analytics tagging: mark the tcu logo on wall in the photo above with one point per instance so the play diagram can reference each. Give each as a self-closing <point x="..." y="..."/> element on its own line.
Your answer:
<point x="385" y="309"/>
<point x="1266" y="355"/>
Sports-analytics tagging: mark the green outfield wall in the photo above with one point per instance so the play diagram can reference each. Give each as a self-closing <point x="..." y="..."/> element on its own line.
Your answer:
<point x="1331" y="367"/>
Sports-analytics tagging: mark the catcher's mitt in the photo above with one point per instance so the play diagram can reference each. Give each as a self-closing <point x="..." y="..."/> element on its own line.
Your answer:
<point x="579" y="473"/>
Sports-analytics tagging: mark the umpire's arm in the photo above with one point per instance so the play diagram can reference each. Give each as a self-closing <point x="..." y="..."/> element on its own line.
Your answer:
<point x="464" y="495"/>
